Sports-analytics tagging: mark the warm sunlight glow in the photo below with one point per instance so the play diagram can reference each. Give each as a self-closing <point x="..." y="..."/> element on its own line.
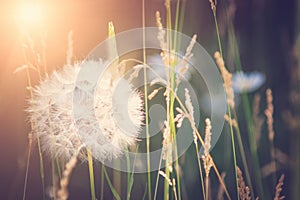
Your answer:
<point x="29" y="14"/>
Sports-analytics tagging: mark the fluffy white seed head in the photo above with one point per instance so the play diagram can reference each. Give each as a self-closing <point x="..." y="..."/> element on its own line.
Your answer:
<point x="99" y="121"/>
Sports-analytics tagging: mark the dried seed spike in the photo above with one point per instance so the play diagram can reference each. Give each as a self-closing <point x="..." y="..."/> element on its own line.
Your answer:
<point x="227" y="78"/>
<point x="279" y="188"/>
<point x="153" y="94"/>
<point x="269" y="113"/>
<point x="244" y="190"/>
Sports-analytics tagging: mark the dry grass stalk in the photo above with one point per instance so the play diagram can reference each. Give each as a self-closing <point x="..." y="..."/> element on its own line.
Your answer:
<point x="244" y="191"/>
<point x="161" y="32"/>
<point x="63" y="193"/>
<point x="221" y="189"/>
<point x="213" y="5"/>
<point x="257" y="120"/>
<point x="190" y="109"/>
<point x="279" y="188"/>
<point x="188" y="53"/>
<point x="269" y="113"/>
<point x="166" y="148"/>
<point x="227" y="78"/>
<point x="231" y="121"/>
<point x="207" y="160"/>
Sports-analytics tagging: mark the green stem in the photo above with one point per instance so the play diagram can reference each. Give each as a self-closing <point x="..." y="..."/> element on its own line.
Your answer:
<point x="243" y="155"/>
<point x="146" y="104"/>
<point x="253" y="147"/>
<point x="234" y="153"/>
<point x="36" y="129"/>
<point x="53" y="177"/>
<point x="102" y="182"/>
<point x="91" y="173"/>
<point x="248" y="116"/>
<point x="218" y="33"/>
<point x="113" y="190"/>
<point x="200" y="169"/>
<point x="166" y="182"/>
<point x="229" y="110"/>
<point x="157" y="177"/>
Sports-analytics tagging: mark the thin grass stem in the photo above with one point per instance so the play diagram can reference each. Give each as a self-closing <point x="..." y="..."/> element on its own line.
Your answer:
<point x="35" y="127"/>
<point x="146" y="103"/>
<point x="102" y="182"/>
<point x="91" y="173"/>
<point x="200" y="169"/>
<point x="113" y="190"/>
<point x="157" y="177"/>
<point x="27" y="168"/>
<point x="234" y="153"/>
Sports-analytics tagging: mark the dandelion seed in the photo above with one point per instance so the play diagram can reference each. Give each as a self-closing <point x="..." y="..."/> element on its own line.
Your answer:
<point x="247" y="82"/>
<point x="53" y="107"/>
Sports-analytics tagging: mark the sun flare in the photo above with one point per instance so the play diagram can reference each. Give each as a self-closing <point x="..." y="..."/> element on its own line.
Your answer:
<point x="29" y="14"/>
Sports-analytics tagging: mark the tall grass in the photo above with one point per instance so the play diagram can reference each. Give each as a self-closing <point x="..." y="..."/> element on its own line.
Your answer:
<point x="177" y="110"/>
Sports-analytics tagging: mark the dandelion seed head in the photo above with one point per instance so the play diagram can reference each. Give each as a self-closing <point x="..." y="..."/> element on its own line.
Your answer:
<point x="247" y="82"/>
<point x="54" y="104"/>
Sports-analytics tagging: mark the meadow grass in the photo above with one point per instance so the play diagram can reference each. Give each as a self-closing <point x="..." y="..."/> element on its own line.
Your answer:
<point x="176" y="110"/>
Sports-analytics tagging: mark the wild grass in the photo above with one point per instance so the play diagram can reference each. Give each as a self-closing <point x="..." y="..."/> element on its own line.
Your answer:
<point x="178" y="111"/>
